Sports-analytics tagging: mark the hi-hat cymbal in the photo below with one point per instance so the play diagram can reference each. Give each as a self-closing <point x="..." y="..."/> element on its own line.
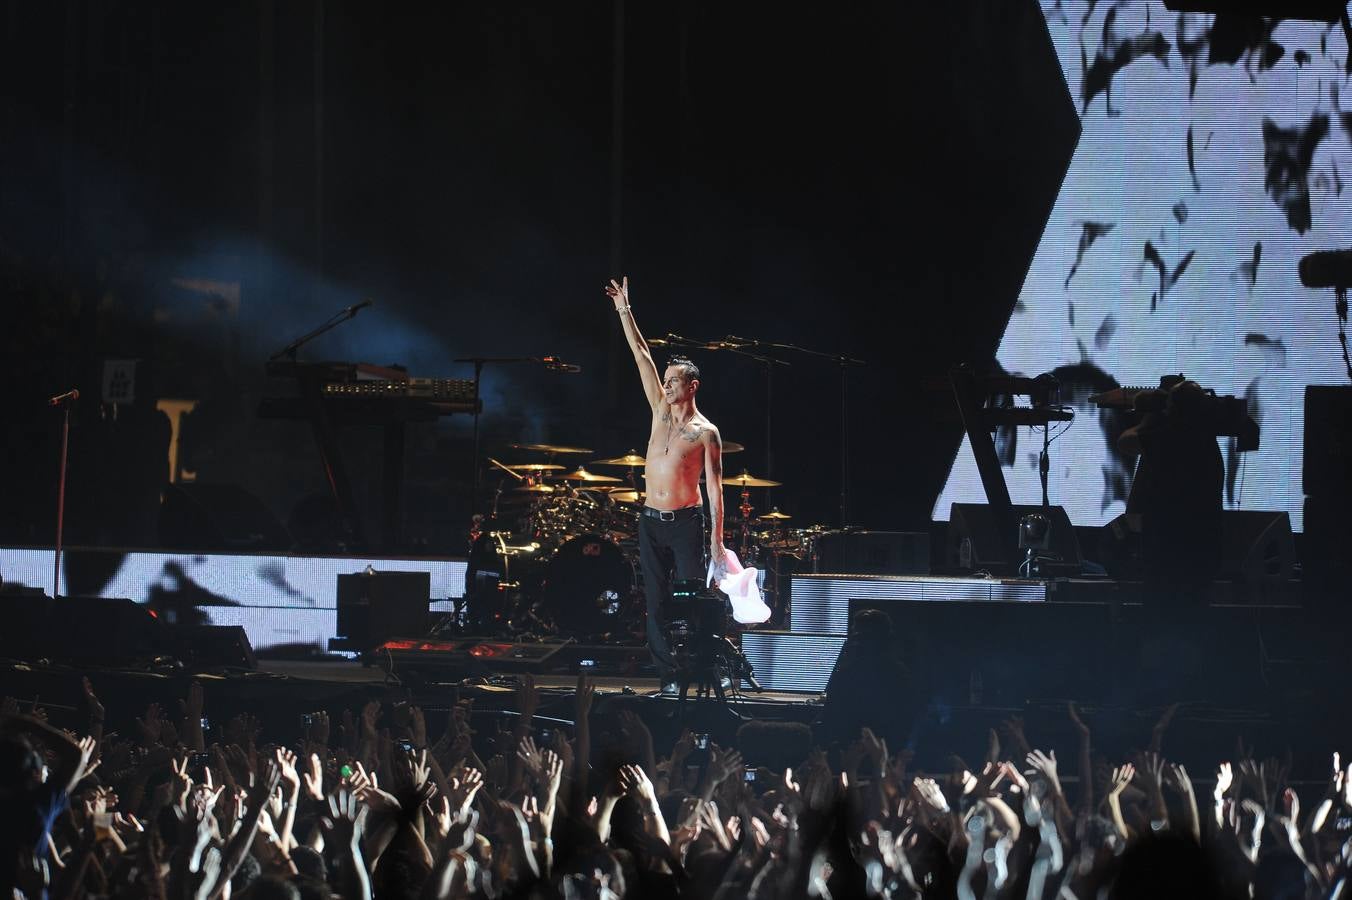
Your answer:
<point x="775" y="515"/>
<point x="534" y="489"/>
<point x="629" y="459"/>
<point x="550" y="448"/>
<point x="748" y="480"/>
<point x="732" y="447"/>
<point x="581" y="474"/>
<point x="535" y="467"/>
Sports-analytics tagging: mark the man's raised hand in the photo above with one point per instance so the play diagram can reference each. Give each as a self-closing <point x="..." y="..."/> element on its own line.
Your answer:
<point x="619" y="292"/>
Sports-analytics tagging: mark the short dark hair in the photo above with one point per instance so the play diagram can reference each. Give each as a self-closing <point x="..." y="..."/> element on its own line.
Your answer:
<point x="689" y="370"/>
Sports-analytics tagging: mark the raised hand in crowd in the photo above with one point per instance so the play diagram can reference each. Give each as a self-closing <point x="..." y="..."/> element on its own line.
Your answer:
<point x="436" y="822"/>
<point x="343" y="828"/>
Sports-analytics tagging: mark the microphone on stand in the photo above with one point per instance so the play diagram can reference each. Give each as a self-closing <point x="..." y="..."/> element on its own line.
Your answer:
<point x="68" y="397"/>
<point x="554" y="364"/>
<point x="1327" y="268"/>
<point x="1331" y="268"/>
<point x="358" y="307"/>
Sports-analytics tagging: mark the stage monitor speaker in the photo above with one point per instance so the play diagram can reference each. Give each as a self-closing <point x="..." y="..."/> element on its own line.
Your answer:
<point x="976" y="523"/>
<point x="213" y="646"/>
<point x="81" y="630"/>
<point x="204" y="516"/>
<point x="100" y="629"/>
<point x="529" y="657"/>
<point x="375" y="606"/>
<point x="453" y="659"/>
<point x="1257" y="547"/>
<point x="1328" y="442"/>
<point x="871" y="553"/>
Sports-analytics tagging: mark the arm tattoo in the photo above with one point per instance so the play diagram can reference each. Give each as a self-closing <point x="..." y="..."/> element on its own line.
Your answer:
<point x="666" y="417"/>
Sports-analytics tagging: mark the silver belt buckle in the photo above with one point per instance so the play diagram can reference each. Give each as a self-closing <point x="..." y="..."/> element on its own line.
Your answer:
<point x="666" y="515"/>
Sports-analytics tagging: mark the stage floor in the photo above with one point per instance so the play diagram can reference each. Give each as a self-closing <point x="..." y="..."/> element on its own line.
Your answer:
<point x="343" y="671"/>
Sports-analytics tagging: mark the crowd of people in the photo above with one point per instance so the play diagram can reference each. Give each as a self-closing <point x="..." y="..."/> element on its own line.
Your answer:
<point x="368" y="803"/>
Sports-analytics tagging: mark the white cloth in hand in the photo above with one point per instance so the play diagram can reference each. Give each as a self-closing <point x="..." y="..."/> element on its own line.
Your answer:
<point x="742" y="587"/>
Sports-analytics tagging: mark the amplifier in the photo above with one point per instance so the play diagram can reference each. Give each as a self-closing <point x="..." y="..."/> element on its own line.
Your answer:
<point x="374" y="606"/>
<point x="871" y="553"/>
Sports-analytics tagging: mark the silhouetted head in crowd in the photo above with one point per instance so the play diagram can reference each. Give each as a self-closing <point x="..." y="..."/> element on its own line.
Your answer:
<point x="20" y="765"/>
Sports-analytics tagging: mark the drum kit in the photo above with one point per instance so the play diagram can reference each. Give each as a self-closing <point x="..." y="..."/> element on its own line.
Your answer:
<point x="560" y="552"/>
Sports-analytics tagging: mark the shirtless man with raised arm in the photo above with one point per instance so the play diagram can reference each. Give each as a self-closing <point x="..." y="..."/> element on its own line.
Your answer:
<point x="682" y="443"/>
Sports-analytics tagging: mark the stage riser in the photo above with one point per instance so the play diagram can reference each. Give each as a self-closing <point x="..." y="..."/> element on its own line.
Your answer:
<point x="788" y="661"/>
<point x="821" y="603"/>
<point x="975" y="653"/>
<point x="279" y="600"/>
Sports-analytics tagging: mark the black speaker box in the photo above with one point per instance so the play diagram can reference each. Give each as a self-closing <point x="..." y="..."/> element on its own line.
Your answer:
<point x="1257" y="546"/>
<point x="81" y="630"/>
<point x="872" y="553"/>
<point x="1101" y="651"/>
<point x="375" y="606"/>
<point x="976" y="522"/>
<point x="1328" y="441"/>
<point x="213" y="646"/>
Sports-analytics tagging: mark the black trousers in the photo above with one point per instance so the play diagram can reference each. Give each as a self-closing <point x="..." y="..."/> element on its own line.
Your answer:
<point x="668" y="549"/>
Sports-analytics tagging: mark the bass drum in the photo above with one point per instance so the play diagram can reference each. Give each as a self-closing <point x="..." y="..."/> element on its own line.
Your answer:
<point x="587" y="586"/>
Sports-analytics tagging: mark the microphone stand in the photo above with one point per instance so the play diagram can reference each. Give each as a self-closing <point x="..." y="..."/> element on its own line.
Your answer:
<point x="1340" y="307"/>
<point x="845" y="363"/>
<point x="479" y="362"/>
<point x="64" y="401"/>
<point x="738" y="346"/>
<point x="329" y="324"/>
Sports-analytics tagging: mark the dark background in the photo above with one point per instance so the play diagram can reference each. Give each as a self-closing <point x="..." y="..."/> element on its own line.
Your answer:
<point x="871" y="181"/>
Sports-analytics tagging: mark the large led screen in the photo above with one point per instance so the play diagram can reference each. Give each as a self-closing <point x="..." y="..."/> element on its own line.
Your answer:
<point x="1215" y="153"/>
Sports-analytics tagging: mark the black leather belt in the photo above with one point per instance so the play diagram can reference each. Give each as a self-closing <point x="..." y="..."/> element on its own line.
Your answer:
<point x="671" y="515"/>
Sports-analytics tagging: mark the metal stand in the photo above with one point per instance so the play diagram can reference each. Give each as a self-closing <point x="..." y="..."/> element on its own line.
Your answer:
<point x="745" y="347"/>
<point x="479" y="362"/>
<point x="333" y="321"/>
<point x="1340" y="307"/>
<point x="1044" y="462"/>
<point x="64" y="401"/>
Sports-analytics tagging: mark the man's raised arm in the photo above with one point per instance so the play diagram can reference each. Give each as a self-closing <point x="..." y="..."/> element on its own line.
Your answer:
<point x="647" y="369"/>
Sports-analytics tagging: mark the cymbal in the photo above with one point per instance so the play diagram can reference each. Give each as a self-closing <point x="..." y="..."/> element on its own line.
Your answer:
<point x="747" y="480"/>
<point x="629" y="459"/>
<point x="535" y="489"/>
<point x="549" y="448"/>
<point x="775" y="515"/>
<point x="535" y="467"/>
<point x="732" y="447"/>
<point x="581" y="474"/>
<point x="629" y="496"/>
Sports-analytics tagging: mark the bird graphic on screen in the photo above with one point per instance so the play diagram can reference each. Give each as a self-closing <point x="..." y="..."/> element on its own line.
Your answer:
<point x="1192" y="164"/>
<point x="1287" y="153"/>
<point x="1113" y="55"/>
<point x="1089" y="232"/>
<point x="1168" y="277"/>
<point x="1248" y="270"/>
